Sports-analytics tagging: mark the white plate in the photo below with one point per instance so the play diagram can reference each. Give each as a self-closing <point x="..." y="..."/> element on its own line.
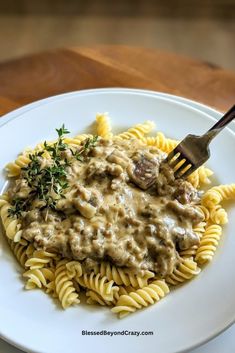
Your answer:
<point x="202" y="107"/>
<point x="187" y="317"/>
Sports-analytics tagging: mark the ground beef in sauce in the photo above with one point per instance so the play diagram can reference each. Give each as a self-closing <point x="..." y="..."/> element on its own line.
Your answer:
<point x="123" y="205"/>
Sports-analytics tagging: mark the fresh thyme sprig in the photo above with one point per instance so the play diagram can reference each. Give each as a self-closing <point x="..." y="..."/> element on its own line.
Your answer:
<point x="18" y="206"/>
<point x="89" y="143"/>
<point x="56" y="149"/>
<point x="48" y="183"/>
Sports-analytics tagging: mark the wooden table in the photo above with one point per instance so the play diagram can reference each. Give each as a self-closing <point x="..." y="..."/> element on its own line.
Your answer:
<point x="41" y="75"/>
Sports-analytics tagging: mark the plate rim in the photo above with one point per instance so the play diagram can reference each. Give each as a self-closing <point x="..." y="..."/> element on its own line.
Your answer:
<point x="25" y="108"/>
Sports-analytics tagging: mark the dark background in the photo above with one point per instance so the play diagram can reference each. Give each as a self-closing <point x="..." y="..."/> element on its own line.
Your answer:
<point x="203" y="29"/>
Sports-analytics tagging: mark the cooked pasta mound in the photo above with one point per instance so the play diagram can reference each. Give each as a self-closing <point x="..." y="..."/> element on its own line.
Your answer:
<point x="105" y="214"/>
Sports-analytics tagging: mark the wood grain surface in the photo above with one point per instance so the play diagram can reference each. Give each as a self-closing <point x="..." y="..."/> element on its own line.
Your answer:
<point x="41" y="75"/>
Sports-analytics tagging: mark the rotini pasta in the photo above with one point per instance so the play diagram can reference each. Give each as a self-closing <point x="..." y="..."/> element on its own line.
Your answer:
<point x="38" y="277"/>
<point x="164" y="144"/>
<point x="64" y="287"/>
<point x="77" y="140"/>
<point x="95" y="298"/>
<point x="217" y="194"/>
<point x="191" y="252"/>
<point x="186" y="270"/>
<point x="30" y="250"/>
<point x="199" y="229"/>
<point x="40" y="259"/>
<point x="20" y="251"/>
<point x="143" y="297"/>
<point x="138" y="131"/>
<point x="124" y="276"/>
<point x="11" y="225"/>
<point x="98" y="284"/>
<point x="218" y="215"/>
<point x="208" y="244"/>
<point x="14" y="169"/>
<point x="74" y="269"/>
<point x="51" y="289"/>
<point x="149" y="140"/>
<point x="205" y="211"/>
<point x="103" y="126"/>
<point x="82" y="137"/>
<point x="200" y="177"/>
<point x="74" y="142"/>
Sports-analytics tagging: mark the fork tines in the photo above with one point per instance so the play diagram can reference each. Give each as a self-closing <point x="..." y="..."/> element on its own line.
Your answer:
<point x="180" y="163"/>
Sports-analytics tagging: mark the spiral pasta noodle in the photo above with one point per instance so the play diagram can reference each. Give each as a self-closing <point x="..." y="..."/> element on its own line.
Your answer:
<point x="217" y="194"/>
<point x="125" y="290"/>
<point x="40" y="259"/>
<point x="74" y="269"/>
<point x="218" y="215"/>
<point x="204" y="211"/>
<point x="40" y="147"/>
<point x="77" y="140"/>
<point x="38" y="277"/>
<point x="64" y="287"/>
<point x="98" y="284"/>
<point x="124" y="276"/>
<point x="96" y="298"/>
<point x="51" y="288"/>
<point x="186" y="270"/>
<point x="143" y="297"/>
<point x="19" y="250"/>
<point x="11" y="225"/>
<point x="190" y="252"/>
<point x="81" y="137"/>
<point x="208" y="244"/>
<point x="103" y="126"/>
<point x="30" y="250"/>
<point x="200" y="177"/>
<point x="164" y="144"/>
<point x="199" y="229"/>
<point x="74" y="141"/>
<point x="14" y="168"/>
<point x="138" y="131"/>
<point x="149" y="140"/>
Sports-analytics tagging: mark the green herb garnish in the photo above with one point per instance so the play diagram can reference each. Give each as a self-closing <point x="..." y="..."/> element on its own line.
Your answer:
<point x="18" y="206"/>
<point x="48" y="183"/>
<point x="89" y="143"/>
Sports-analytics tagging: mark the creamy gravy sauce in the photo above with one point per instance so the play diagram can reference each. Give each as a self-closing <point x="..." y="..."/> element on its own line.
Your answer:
<point x="122" y="205"/>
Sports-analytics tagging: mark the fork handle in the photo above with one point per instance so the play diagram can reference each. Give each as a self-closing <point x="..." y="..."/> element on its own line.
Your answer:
<point x="225" y="120"/>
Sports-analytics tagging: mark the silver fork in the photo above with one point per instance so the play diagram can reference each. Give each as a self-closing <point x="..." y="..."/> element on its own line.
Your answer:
<point x="193" y="150"/>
